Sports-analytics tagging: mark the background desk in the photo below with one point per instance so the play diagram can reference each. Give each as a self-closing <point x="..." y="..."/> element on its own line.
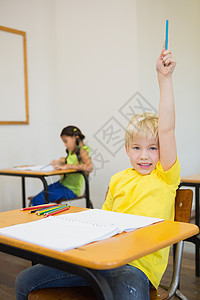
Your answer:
<point x="194" y="181"/>
<point x="99" y="255"/>
<point x="41" y="175"/>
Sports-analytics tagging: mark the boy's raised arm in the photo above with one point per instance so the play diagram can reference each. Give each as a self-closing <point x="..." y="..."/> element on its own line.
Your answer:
<point x="166" y="127"/>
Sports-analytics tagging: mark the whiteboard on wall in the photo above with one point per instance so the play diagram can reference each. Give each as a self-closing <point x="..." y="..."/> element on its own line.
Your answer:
<point x="13" y="77"/>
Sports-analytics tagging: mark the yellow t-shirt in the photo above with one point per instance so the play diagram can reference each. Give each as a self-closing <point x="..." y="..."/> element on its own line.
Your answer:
<point x="150" y="195"/>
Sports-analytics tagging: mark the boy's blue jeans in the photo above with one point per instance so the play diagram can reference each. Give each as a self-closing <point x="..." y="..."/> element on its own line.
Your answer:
<point x="126" y="282"/>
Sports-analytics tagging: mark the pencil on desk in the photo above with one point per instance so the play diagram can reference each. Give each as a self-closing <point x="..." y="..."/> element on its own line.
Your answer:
<point x="35" y="210"/>
<point x="56" y="212"/>
<point x="45" y="209"/>
<point x="50" y="209"/>
<point x="39" y="206"/>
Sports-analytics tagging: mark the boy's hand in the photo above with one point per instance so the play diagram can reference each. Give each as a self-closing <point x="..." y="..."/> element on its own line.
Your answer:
<point x="165" y="64"/>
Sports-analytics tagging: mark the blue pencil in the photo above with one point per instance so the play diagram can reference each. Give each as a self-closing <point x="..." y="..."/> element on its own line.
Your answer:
<point x="166" y="35"/>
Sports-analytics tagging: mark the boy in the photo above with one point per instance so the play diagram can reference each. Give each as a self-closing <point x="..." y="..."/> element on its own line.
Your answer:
<point x="148" y="189"/>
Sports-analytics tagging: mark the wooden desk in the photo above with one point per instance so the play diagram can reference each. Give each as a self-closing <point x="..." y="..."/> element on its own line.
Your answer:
<point x="41" y="175"/>
<point x="99" y="255"/>
<point x="194" y="181"/>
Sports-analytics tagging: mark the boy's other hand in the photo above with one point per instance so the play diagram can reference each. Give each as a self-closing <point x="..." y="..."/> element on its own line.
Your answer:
<point x="165" y="64"/>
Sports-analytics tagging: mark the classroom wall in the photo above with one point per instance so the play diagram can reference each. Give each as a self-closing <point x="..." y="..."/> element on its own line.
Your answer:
<point x="82" y="67"/>
<point x="91" y="64"/>
<point x="184" y="41"/>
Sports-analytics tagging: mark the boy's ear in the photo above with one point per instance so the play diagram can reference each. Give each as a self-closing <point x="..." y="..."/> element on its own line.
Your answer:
<point x="127" y="150"/>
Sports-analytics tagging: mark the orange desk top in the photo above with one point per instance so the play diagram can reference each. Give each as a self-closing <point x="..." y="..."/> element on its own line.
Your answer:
<point x="43" y="173"/>
<point x="110" y="253"/>
<point x="192" y="178"/>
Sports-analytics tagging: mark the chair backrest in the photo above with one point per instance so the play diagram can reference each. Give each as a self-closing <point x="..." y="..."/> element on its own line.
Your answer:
<point x="183" y="205"/>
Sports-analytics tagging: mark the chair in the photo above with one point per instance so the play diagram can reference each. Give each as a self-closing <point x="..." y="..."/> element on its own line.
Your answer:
<point x="85" y="195"/>
<point x="183" y="203"/>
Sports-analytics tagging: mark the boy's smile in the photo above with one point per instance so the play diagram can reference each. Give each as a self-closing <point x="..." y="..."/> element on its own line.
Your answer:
<point x="144" y="154"/>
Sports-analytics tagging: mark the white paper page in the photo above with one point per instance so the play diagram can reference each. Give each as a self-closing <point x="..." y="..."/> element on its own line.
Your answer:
<point x="44" y="168"/>
<point x="125" y="222"/>
<point x="58" y="234"/>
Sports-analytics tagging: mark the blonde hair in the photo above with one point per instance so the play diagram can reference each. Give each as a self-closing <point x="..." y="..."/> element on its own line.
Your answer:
<point x="145" y="124"/>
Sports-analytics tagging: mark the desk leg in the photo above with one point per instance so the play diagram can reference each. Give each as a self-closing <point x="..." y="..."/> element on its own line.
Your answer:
<point x="197" y="223"/>
<point x="87" y="194"/>
<point x="100" y="286"/>
<point x="197" y="260"/>
<point x="23" y="192"/>
<point x="87" y="191"/>
<point x="197" y="205"/>
<point x="46" y="190"/>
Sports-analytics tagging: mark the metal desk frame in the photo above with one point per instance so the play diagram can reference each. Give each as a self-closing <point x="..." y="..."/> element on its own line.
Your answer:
<point x="44" y="181"/>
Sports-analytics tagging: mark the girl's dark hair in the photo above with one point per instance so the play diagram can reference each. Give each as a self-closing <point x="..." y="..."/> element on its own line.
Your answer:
<point x="74" y="131"/>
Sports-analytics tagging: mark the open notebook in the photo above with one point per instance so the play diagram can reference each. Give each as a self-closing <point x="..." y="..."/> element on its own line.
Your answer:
<point x="44" y="168"/>
<point x="73" y="230"/>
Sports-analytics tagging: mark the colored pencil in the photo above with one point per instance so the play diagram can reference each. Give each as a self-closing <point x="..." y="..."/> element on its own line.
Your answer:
<point x="50" y="209"/>
<point x="46" y="209"/>
<point x="166" y="34"/>
<point x="39" y="206"/>
<point x="33" y="211"/>
<point x="56" y="212"/>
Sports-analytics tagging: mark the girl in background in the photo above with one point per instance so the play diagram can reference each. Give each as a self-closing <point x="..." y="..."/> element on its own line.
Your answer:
<point x="78" y="158"/>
